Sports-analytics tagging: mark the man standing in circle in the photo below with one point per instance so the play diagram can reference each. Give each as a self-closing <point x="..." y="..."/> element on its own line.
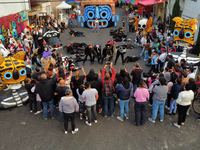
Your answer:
<point x="90" y="95"/>
<point x="68" y="106"/>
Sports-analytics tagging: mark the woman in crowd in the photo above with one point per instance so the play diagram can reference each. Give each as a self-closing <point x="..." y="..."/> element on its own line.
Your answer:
<point x="82" y="107"/>
<point x="183" y="103"/>
<point x="141" y="95"/>
<point x="77" y="80"/>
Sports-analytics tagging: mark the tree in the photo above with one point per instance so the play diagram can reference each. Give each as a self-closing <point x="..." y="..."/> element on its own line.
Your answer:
<point x="175" y="13"/>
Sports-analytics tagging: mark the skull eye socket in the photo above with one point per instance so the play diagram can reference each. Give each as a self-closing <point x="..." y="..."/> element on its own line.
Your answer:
<point x="139" y="25"/>
<point x="144" y="26"/>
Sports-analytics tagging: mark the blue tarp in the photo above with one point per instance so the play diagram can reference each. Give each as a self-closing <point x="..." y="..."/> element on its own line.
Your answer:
<point x="71" y="1"/>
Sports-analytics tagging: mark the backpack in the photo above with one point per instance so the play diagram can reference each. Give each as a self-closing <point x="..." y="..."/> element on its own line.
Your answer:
<point x="108" y="88"/>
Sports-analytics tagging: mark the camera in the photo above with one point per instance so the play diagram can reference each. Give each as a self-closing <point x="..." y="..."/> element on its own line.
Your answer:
<point x="107" y="63"/>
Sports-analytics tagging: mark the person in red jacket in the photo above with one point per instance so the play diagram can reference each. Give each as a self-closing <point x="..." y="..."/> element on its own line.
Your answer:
<point x="73" y="17"/>
<point x="108" y="89"/>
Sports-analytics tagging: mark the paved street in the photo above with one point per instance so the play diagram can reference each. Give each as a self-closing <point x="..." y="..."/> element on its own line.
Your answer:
<point x="21" y="130"/>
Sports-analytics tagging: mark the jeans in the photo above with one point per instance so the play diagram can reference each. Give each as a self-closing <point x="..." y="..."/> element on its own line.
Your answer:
<point x="143" y="49"/>
<point x="70" y="116"/>
<point x="140" y="113"/>
<point x="106" y="100"/>
<point x="146" y="55"/>
<point x="61" y="116"/>
<point x="91" y="110"/>
<point x="158" y="105"/>
<point x="45" y="104"/>
<point x="122" y="104"/>
<point x="134" y="88"/>
<point x="182" y="110"/>
<point x="173" y="105"/>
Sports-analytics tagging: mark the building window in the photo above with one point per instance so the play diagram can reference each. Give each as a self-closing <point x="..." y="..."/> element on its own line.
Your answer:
<point x="194" y="0"/>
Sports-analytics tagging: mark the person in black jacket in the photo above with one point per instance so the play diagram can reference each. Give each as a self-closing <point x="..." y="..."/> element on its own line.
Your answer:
<point x="171" y="62"/>
<point x="97" y="84"/>
<point x="32" y="96"/>
<point x="88" y="53"/>
<point x="45" y="90"/>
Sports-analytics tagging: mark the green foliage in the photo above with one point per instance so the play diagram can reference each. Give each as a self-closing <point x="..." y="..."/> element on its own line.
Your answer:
<point x="73" y="5"/>
<point x="175" y="13"/>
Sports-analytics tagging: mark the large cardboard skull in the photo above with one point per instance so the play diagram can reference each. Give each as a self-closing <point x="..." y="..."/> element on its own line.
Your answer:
<point x="142" y="24"/>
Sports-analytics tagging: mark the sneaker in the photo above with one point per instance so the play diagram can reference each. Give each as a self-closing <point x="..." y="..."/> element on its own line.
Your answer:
<point x="95" y="121"/>
<point x="168" y="108"/>
<point x="118" y="117"/>
<point x="65" y="132"/>
<point x="44" y="118"/>
<point x="100" y="110"/>
<point x="182" y="123"/>
<point x="151" y="120"/>
<point x="112" y="116"/>
<point x="167" y="113"/>
<point x="76" y="130"/>
<point x="176" y="125"/>
<point x="161" y="120"/>
<point x="31" y="111"/>
<point x="150" y="105"/>
<point x="86" y="118"/>
<point x="81" y="117"/>
<point x="105" y="116"/>
<point x="126" y="116"/>
<point x="89" y="124"/>
<point x="37" y="112"/>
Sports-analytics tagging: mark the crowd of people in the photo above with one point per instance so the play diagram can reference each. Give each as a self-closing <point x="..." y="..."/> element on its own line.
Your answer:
<point x="51" y="84"/>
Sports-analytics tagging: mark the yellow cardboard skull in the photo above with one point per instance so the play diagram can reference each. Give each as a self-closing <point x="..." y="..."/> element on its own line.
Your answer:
<point x="184" y="29"/>
<point x="12" y="69"/>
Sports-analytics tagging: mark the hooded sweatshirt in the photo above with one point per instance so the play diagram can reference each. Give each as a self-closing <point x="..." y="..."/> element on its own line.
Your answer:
<point x="45" y="88"/>
<point x="68" y="105"/>
<point x="124" y="90"/>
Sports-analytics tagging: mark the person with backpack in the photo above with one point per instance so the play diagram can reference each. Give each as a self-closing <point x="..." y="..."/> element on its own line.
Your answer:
<point x="108" y="89"/>
<point x="123" y="91"/>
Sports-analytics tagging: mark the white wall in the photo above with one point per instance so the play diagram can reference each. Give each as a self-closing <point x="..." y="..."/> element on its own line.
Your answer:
<point x="192" y="10"/>
<point x="13" y="7"/>
<point x="171" y="5"/>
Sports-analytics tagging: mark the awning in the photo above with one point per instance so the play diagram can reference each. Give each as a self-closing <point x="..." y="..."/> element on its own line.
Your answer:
<point x="72" y="1"/>
<point x="151" y="2"/>
<point x="34" y="12"/>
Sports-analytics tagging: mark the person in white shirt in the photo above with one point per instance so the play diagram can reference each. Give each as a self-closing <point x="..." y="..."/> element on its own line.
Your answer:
<point x="162" y="57"/>
<point x="131" y="15"/>
<point x="90" y="95"/>
<point x="183" y="103"/>
<point x="3" y="51"/>
<point x="191" y="73"/>
<point x="143" y="42"/>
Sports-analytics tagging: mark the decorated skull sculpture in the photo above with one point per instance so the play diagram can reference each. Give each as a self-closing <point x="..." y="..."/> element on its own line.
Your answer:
<point x="143" y="24"/>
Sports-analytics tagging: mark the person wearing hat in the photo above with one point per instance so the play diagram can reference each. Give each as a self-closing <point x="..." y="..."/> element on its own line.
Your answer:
<point x="88" y="53"/>
<point x="68" y="106"/>
<point x="96" y="51"/>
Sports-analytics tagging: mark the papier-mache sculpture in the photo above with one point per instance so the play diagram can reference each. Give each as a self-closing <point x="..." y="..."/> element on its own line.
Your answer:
<point x="144" y="23"/>
<point x="12" y="72"/>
